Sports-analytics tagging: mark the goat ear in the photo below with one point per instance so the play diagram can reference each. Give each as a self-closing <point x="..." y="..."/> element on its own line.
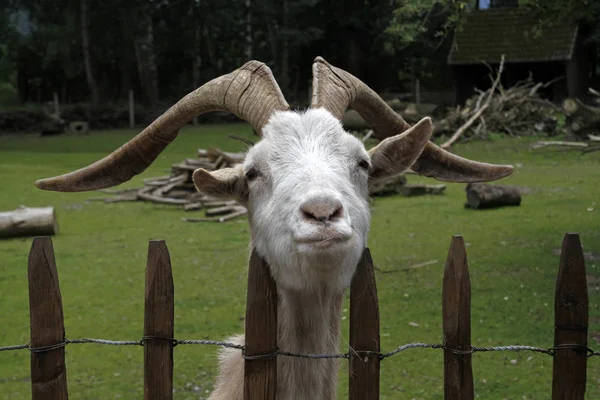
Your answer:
<point x="397" y="153"/>
<point x="226" y="182"/>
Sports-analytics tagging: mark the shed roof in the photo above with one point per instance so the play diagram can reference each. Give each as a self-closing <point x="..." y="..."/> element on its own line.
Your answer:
<point x="487" y="34"/>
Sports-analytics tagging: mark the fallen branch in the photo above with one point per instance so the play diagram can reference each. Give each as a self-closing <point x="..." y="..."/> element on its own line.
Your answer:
<point x="161" y="200"/>
<point x="540" y="144"/>
<point x="367" y="136"/>
<point x="594" y="138"/>
<point x="240" y="211"/>
<point x="416" y="266"/>
<point x="465" y="126"/>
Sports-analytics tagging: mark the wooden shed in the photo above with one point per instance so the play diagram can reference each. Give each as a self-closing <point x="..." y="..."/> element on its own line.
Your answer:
<point x="557" y="53"/>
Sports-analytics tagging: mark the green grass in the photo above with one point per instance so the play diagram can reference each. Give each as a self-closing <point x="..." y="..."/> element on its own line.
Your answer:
<point x="101" y="250"/>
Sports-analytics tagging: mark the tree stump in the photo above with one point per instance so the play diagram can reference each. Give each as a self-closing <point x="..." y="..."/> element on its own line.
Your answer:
<point x="26" y="221"/>
<point x="582" y="119"/>
<point x="480" y="195"/>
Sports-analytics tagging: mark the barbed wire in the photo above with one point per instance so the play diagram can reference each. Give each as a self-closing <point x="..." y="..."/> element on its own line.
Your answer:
<point x="474" y="349"/>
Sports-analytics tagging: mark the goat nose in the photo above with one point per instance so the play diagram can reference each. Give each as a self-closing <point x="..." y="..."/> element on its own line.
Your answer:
<point x="321" y="209"/>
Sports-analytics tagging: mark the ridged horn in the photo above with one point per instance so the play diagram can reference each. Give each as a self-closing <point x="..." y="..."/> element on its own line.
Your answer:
<point x="250" y="92"/>
<point x="337" y="90"/>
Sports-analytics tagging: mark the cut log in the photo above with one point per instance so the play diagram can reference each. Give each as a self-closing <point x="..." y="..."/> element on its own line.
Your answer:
<point x="480" y="195"/>
<point x="192" y="206"/>
<point x="421" y="190"/>
<point x="388" y="186"/>
<point x="26" y="221"/>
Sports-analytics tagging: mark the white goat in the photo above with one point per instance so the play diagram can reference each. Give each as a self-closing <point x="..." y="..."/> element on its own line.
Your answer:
<point x="306" y="188"/>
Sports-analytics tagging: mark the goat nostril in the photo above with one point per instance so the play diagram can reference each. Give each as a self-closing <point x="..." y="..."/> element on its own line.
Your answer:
<point x="308" y="215"/>
<point x="336" y="214"/>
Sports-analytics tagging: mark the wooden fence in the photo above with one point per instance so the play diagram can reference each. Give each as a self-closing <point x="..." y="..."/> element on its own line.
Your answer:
<point x="48" y="367"/>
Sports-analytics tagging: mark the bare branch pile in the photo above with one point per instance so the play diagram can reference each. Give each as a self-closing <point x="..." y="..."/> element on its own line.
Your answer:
<point x="516" y="111"/>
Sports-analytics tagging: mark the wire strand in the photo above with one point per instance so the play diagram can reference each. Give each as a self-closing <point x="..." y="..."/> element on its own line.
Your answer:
<point x="356" y="353"/>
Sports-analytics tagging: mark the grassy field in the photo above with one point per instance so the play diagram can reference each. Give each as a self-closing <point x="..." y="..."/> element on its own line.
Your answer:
<point x="101" y="252"/>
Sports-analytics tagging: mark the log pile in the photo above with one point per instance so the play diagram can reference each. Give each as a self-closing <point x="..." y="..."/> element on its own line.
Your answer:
<point x="515" y="111"/>
<point x="178" y="189"/>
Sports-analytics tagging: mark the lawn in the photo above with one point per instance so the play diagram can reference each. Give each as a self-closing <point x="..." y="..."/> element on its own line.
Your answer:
<point x="101" y="250"/>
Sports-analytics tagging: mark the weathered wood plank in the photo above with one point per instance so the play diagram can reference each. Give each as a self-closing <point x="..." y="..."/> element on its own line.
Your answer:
<point x="48" y="368"/>
<point x="159" y="323"/>
<point x="260" y="375"/>
<point x="456" y="313"/>
<point x="364" y="332"/>
<point x="570" y="322"/>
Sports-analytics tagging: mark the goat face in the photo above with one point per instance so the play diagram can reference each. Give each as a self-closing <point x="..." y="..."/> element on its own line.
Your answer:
<point x="306" y="188"/>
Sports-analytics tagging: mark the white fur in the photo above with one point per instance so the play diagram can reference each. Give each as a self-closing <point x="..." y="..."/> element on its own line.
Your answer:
<point x="304" y="160"/>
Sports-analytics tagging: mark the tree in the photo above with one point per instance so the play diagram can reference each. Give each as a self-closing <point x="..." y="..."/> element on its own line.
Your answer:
<point x="144" y="50"/>
<point x="87" y="58"/>
<point x="421" y="31"/>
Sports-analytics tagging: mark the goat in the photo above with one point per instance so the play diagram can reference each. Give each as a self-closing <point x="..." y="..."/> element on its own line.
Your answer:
<point x="306" y="188"/>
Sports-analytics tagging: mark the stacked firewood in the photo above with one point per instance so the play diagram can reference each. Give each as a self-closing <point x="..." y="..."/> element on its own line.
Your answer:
<point x="516" y="111"/>
<point x="178" y="189"/>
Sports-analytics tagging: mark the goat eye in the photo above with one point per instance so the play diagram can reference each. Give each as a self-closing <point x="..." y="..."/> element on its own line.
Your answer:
<point x="251" y="174"/>
<point x="364" y="164"/>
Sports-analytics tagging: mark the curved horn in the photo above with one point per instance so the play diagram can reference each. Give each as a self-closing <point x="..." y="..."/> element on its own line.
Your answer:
<point x="336" y="90"/>
<point x="250" y="92"/>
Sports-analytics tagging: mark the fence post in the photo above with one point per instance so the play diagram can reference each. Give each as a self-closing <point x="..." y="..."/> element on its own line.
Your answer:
<point x="456" y="314"/>
<point x="48" y="369"/>
<point x="364" y="332"/>
<point x="159" y="323"/>
<point x="570" y="322"/>
<point x="260" y="374"/>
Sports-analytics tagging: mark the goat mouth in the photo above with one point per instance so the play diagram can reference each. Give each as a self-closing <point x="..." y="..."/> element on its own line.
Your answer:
<point x="323" y="242"/>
